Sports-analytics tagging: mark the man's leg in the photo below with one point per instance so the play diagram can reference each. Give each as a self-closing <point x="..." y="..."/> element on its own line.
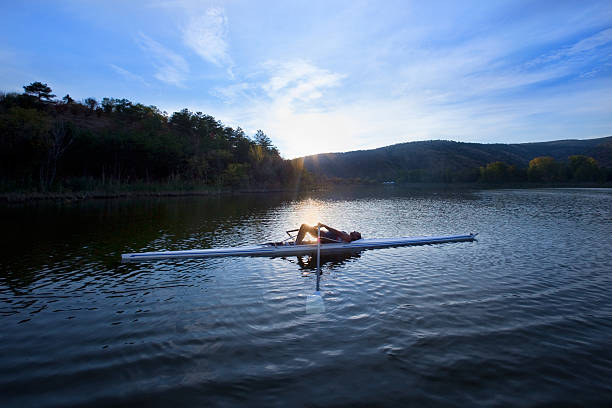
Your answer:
<point x="304" y="229"/>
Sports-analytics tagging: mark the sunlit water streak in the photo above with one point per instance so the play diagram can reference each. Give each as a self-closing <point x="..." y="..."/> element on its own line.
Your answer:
<point x="521" y="317"/>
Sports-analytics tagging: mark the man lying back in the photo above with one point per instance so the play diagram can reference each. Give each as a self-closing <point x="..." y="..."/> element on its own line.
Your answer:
<point x="329" y="235"/>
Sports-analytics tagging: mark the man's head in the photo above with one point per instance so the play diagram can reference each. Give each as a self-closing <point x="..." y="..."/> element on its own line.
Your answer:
<point x="355" y="236"/>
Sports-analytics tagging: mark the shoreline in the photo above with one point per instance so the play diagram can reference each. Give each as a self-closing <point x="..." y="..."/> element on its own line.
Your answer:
<point x="24" y="197"/>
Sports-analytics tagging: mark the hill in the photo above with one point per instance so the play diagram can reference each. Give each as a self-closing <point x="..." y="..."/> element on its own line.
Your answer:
<point x="50" y="145"/>
<point x="441" y="160"/>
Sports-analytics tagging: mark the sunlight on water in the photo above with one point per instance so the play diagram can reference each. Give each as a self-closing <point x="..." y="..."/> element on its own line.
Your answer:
<point x="526" y="307"/>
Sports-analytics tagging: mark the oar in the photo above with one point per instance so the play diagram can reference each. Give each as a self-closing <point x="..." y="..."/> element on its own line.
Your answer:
<point x="314" y="302"/>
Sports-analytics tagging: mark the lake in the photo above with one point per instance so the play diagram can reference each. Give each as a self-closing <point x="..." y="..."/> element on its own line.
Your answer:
<point x="520" y="317"/>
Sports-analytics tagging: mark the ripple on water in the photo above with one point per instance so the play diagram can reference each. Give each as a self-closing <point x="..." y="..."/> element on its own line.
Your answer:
<point x="526" y="307"/>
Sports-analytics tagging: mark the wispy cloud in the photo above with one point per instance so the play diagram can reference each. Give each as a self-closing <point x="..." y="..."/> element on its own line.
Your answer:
<point x="470" y="93"/>
<point x="290" y="102"/>
<point x="587" y="44"/>
<point x="207" y="35"/>
<point x="171" y="67"/>
<point x="325" y="76"/>
<point x="580" y="48"/>
<point x="298" y="80"/>
<point x="492" y="67"/>
<point x="234" y="92"/>
<point x="128" y="75"/>
<point x="412" y="75"/>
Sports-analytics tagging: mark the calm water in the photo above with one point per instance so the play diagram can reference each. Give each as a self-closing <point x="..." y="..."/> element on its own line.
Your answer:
<point x="522" y="317"/>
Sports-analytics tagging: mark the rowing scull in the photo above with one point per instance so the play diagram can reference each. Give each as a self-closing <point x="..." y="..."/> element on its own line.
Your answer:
<point x="287" y="249"/>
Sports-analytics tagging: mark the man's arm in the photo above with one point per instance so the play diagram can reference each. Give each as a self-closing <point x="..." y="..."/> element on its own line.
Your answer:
<point x="343" y="235"/>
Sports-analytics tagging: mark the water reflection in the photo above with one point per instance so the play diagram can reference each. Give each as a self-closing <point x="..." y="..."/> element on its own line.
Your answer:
<point x="526" y="307"/>
<point x="329" y="261"/>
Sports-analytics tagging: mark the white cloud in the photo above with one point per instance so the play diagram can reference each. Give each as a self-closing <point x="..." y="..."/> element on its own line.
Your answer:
<point x="377" y="122"/>
<point x="293" y="105"/>
<point x="171" y="67"/>
<point x="300" y="111"/>
<point x="599" y="39"/>
<point x="484" y="68"/>
<point x="583" y="46"/>
<point x="128" y="75"/>
<point x="371" y="121"/>
<point x="485" y="87"/>
<point x="233" y="92"/>
<point x="298" y="80"/>
<point x="207" y="35"/>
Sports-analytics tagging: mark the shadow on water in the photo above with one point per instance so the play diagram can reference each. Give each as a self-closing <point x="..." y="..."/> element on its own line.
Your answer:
<point x="308" y="263"/>
<point x="46" y="239"/>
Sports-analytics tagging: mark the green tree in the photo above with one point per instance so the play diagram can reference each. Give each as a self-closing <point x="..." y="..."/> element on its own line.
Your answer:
<point x="22" y="147"/>
<point x="58" y="139"/>
<point x="264" y="141"/>
<point x="39" y="90"/>
<point x="131" y="144"/>
<point x="107" y="105"/>
<point x="498" y="172"/>
<point x="91" y="103"/>
<point x="584" y="168"/>
<point x="236" y="175"/>
<point x="543" y="169"/>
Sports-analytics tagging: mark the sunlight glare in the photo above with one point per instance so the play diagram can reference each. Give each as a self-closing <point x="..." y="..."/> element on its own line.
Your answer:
<point x="309" y="212"/>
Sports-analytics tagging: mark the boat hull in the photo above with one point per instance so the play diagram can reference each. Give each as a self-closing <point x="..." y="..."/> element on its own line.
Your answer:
<point x="288" y="250"/>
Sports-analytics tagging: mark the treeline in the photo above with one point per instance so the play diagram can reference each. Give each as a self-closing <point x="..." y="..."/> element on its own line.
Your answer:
<point x="48" y="144"/>
<point x="577" y="169"/>
<point x="444" y="161"/>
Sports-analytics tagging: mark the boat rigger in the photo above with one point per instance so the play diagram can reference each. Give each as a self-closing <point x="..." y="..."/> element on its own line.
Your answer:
<point x="288" y="248"/>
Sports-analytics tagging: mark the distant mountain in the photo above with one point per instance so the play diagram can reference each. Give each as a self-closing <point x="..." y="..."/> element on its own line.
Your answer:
<point x="430" y="159"/>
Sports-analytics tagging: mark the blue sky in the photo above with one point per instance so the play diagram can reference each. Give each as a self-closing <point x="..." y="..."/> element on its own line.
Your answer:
<point x="322" y="76"/>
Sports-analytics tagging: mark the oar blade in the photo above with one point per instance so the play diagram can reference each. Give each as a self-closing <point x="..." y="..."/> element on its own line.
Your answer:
<point x="315" y="304"/>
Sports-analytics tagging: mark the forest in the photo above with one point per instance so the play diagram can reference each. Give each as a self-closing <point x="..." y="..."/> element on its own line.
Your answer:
<point x="577" y="168"/>
<point x="443" y="161"/>
<point x="49" y="144"/>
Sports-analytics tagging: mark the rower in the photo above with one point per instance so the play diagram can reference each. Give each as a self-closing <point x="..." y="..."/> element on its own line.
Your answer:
<point x="330" y="234"/>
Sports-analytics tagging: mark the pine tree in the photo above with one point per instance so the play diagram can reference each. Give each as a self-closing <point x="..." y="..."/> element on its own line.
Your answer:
<point x="40" y="90"/>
